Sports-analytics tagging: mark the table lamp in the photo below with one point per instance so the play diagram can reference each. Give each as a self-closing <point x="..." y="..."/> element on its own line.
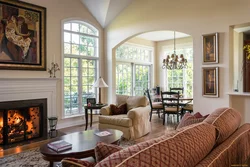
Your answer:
<point x="100" y="83"/>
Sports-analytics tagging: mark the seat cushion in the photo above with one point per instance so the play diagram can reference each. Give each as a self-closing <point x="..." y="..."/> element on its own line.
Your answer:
<point x="136" y="101"/>
<point x="226" y="120"/>
<point x="119" y="120"/>
<point x="157" y="105"/>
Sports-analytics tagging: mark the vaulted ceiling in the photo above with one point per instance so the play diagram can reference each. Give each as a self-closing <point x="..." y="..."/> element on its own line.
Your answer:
<point x="106" y="10"/>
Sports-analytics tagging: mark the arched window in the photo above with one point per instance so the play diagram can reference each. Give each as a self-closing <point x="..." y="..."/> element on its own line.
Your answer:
<point x="81" y="55"/>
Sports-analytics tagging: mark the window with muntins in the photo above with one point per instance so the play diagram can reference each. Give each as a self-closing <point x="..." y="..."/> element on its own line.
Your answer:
<point x="81" y="55"/>
<point x="183" y="77"/>
<point x="133" y="69"/>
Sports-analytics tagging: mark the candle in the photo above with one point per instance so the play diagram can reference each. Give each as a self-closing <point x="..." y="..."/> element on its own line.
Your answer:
<point x="54" y="58"/>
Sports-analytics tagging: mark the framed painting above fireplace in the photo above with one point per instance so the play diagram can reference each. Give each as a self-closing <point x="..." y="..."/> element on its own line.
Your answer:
<point x="22" y="36"/>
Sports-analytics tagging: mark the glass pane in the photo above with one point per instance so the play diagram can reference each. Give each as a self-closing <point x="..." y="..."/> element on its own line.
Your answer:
<point x="67" y="26"/>
<point x="67" y="48"/>
<point x="91" y="51"/>
<point x="66" y="81"/>
<point x="66" y="62"/>
<point x="83" y="29"/>
<point x="74" y="62"/>
<point x="67" y="37"/>
<point x="74" y="71"/>
<point x="83" y="50"/>
<point x="75" y="27"/>
<point x="74" y="80"/>
<point x="66" y="71"/>
<point x="75" y="38"/>
<point x="66" y="91"/>
<point x="83" y="40"/>
<point x="75" y="49"/>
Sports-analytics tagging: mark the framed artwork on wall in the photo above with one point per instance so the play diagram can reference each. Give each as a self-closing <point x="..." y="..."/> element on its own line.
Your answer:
<point x="210" y="48"/>
<point x="22" y="36"/>
<point x="210" y="81"/>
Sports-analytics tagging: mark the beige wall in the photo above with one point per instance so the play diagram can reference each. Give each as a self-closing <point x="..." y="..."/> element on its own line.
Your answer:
<point x="57" y="11"/>
<point x="191" y="17"/>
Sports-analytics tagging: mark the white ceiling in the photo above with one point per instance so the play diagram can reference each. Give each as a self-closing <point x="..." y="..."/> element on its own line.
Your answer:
<point x="105" y="10"/>
<point x="162" y="35"/>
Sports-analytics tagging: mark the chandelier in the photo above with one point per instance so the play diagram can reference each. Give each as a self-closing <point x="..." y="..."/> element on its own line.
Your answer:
<point x="174" y="62"/>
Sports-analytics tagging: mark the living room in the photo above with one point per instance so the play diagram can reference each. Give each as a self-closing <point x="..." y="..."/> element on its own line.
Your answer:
<point x="194" y="18"/>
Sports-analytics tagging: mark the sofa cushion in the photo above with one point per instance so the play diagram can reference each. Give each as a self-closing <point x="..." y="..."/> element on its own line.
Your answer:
<point x="181" y="148"/>
<point x="189" y="119"/>
<point x="102" y="150"/>
<point x="136" y="101"/>
<point x="186" y="148"/>
<point x="116" y="110"/>
<point x="121" y="99"/>
<point x="119" y="120"/>
<point x="226" y="120"/>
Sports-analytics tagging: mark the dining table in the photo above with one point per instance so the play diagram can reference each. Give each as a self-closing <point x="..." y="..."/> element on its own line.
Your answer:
<point x="183" y="101"/>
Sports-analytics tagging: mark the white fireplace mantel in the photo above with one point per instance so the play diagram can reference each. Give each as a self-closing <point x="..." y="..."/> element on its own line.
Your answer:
<point x="14" y="89"/>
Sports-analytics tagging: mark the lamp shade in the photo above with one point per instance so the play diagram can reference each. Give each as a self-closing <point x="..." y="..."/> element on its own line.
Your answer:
<point x="100" y="83"/>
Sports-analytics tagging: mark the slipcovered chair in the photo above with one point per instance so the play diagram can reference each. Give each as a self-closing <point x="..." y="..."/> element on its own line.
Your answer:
<point x="134" y="124"/>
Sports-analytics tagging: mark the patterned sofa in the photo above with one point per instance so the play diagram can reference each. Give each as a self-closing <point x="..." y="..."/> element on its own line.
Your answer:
<point x="218" y="141"/>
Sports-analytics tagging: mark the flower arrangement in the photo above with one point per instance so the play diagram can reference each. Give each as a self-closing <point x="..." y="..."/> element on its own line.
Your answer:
<point x="247" y="48"/>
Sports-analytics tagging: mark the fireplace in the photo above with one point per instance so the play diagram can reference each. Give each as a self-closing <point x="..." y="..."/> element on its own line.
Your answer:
<point x="22" y="120"/>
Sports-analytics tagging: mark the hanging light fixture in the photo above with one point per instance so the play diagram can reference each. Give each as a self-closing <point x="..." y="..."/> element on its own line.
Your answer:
<point x="174" y="62"/>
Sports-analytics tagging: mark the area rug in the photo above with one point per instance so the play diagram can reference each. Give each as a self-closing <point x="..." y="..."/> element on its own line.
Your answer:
<point x="33" y="158"/>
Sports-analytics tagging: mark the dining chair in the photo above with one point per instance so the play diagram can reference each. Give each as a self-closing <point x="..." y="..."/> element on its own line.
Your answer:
<point x="177" y="89"/>
<point x="170" y="103"/>
<point x="155" y="106"/>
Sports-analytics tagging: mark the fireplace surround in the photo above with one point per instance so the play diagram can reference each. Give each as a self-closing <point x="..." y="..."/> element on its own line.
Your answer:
<point x="22" y="89"/>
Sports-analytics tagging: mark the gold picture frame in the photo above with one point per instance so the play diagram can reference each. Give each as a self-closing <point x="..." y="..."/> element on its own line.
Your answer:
<point x="210" y="81"/>
<point x="210" y="48"/>
<point x="22" y="36"/>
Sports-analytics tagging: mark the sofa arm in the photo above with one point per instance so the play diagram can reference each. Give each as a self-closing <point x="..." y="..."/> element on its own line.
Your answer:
<point x="139" y="112"/>
<point x="105" y="110"/>
<point x="140" y="121"/>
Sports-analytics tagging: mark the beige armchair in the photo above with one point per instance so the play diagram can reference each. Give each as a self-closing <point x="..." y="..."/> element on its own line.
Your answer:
<point x="134" y="124"/>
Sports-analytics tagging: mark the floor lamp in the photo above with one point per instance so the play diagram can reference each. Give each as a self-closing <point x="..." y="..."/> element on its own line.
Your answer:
<point x="100" y="83"/>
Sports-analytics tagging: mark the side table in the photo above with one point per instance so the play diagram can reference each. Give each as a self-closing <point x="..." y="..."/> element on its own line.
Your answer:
<point x="95" y="106"/>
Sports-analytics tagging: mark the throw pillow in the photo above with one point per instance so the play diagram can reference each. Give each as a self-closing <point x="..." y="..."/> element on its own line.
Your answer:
<point x="103" y="150"/>
<point x="189" y="119"/>
<point x="68" y="162"/>
<point x="116" y="110"/>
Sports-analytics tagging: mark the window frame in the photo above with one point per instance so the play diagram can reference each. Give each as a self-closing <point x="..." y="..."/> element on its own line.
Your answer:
<point x="80" y="58"/>
<point x="134" y="62"/>
<point x="180" y="46"/>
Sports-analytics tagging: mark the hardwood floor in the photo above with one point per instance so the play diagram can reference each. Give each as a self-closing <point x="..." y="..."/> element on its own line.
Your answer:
<point x="157" y="129"/>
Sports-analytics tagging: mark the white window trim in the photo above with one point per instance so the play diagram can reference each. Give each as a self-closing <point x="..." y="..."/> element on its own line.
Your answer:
<point x="97" y="58"/>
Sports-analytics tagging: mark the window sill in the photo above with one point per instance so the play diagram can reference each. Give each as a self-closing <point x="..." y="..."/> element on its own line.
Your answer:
<point x="74" y="116"/>
<point x="239" y="94"/>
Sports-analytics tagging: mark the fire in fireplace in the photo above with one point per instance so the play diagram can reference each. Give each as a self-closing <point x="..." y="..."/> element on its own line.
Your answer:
<point x="22" y="120"/>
